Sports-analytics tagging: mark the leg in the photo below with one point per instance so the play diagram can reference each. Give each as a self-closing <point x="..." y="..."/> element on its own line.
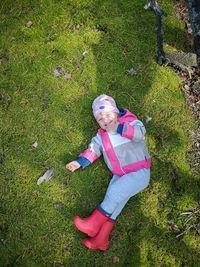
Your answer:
<point x="126" y="189"/>
<point x="121" y="189"/>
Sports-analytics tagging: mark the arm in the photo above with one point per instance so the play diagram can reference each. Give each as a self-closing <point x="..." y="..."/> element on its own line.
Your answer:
<point x="134" y="131"/>
<point x="93" y="152"/>
<point x="73" y="165"/>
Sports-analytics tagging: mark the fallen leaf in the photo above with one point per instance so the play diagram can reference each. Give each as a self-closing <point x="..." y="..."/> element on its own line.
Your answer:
<point x="67" y="76"/>
<point x="58" y="71"/>
<point x="35" y="144"/>
<point x="46" y="177"/>
<point x="11" y="38"/>
<point x="115" y="259"/>
<point x="67" y="107"/>
<point x="29" y="24"/>
<point x="132" y="72"/>
<point x="84" y="53"/>
<point x="4" y="241"/>
<point x="173" y="226"/>
<point x="6" y="56"/>
<point x="72" y="195"/>
<point x="56" y="206"/>
<point x="101" y="28"/>
<point x="75" y="27"/>
<point x="148" y="119"/>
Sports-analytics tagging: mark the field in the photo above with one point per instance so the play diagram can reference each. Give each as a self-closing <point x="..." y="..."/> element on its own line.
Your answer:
<point x="55" y="58"/>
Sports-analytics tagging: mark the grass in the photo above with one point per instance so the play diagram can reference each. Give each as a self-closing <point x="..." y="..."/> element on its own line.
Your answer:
<point x="56" y="112"/>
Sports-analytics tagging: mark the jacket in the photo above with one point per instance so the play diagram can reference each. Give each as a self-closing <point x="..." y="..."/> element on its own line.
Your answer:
<point x="126" y="152"/>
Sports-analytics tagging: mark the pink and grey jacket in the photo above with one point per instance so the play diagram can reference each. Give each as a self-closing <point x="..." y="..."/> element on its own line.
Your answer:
<point x="128" y="154"/>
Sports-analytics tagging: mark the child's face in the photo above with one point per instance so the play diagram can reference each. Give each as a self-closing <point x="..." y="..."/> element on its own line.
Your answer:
<point x="106" y="119"/>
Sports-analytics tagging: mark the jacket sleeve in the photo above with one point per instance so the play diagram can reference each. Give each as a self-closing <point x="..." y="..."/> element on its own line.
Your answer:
<point x="83" y="162"/>
<point x="134" y="130"/>
<point x="92" y="153"/>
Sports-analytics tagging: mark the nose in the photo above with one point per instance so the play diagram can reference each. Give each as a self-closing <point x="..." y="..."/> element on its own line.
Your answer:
<point x="106" y="120"/>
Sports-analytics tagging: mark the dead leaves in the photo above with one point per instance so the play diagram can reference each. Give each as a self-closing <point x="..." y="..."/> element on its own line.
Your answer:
<point x="173" y="226"/>
<point x="35" y="144"/>
<point x="29" y="24"/>
<point x="148" y="119"/>
<point x="59" y="71"/>
<point x="56" y="206"/>
<point x="115" y="259"/>
<point x="11" y="38"/>
<point x="47" y="176"/>
<point x="75" y="27"/>
<point x="3" y="58"/>
<point x="191" y="221"/>
<point x="132" y="72"/>
<point x="67" y="76"/>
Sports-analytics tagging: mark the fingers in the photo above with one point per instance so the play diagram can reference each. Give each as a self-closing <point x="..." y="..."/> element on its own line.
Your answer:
<point x="72" y="166"/>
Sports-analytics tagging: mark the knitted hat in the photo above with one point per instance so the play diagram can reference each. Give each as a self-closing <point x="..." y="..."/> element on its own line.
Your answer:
<point x="104" y="103"/>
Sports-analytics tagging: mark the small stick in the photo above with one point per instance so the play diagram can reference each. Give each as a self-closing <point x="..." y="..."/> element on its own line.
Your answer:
<point x="185" y="231"/>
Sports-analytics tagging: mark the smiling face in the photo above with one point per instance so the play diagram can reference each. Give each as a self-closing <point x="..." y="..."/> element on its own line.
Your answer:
<point x="106" y="119"/>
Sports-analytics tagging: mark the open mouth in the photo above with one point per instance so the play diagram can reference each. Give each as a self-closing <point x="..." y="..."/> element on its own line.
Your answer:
<point x="108" y="124"/>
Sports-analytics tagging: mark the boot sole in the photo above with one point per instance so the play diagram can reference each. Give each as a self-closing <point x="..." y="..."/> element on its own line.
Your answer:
<point x="89" y="245"/>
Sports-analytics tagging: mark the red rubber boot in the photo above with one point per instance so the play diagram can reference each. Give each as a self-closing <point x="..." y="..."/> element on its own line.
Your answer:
<point x="101" y="240"/>
<point x="92" y="224"/>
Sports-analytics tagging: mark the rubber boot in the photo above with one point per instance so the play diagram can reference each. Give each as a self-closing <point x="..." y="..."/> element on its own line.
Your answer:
<point x="92" y="224"/>
<point x="101" y="240"/>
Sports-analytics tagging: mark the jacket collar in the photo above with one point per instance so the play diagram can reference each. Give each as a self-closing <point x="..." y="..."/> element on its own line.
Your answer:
<point x="122" y="112"/>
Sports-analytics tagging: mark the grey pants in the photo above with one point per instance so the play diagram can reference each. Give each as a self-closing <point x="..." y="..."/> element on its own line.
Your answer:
<point x="121" y="189"/>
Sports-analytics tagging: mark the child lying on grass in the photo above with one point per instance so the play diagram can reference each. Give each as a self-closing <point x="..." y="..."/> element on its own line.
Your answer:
<point x="121" y="140"/>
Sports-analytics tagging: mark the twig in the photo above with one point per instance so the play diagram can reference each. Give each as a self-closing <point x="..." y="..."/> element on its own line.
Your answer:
<point x="186" y="213"/>
<point x="191" y="226"/>
<point x="187" y="220"/>
<point x="197" y="211"/>
<point x="182" y="10"/>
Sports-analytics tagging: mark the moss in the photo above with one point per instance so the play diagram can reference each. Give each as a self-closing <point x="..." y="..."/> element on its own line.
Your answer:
<point x="36" y="221"/>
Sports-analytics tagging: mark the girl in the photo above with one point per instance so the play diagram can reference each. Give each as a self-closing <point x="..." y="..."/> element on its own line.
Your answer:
<point x="121" y="140"/>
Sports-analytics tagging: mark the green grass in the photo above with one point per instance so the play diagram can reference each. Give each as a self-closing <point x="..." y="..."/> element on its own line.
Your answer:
<point x="33" y="108"/>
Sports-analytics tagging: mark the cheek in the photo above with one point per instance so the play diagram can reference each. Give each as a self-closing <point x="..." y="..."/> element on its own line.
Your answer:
<point x="115" y="119"/>
<point x="101" y="124"/>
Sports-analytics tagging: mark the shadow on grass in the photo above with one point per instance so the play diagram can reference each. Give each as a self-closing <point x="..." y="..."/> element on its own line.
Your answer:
<point x="112" y="60"/>
<point x="124" y="44"/>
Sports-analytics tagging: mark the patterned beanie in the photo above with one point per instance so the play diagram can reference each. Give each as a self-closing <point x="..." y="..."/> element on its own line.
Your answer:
<point x="104" y="103"/>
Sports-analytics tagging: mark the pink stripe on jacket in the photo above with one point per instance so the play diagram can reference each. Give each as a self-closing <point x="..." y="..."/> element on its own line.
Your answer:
<point x="139" y="158"/>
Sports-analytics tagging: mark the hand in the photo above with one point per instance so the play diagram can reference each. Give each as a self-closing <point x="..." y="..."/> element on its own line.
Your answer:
<point x="72" y="166"/>
<point x="112" y="127"/>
